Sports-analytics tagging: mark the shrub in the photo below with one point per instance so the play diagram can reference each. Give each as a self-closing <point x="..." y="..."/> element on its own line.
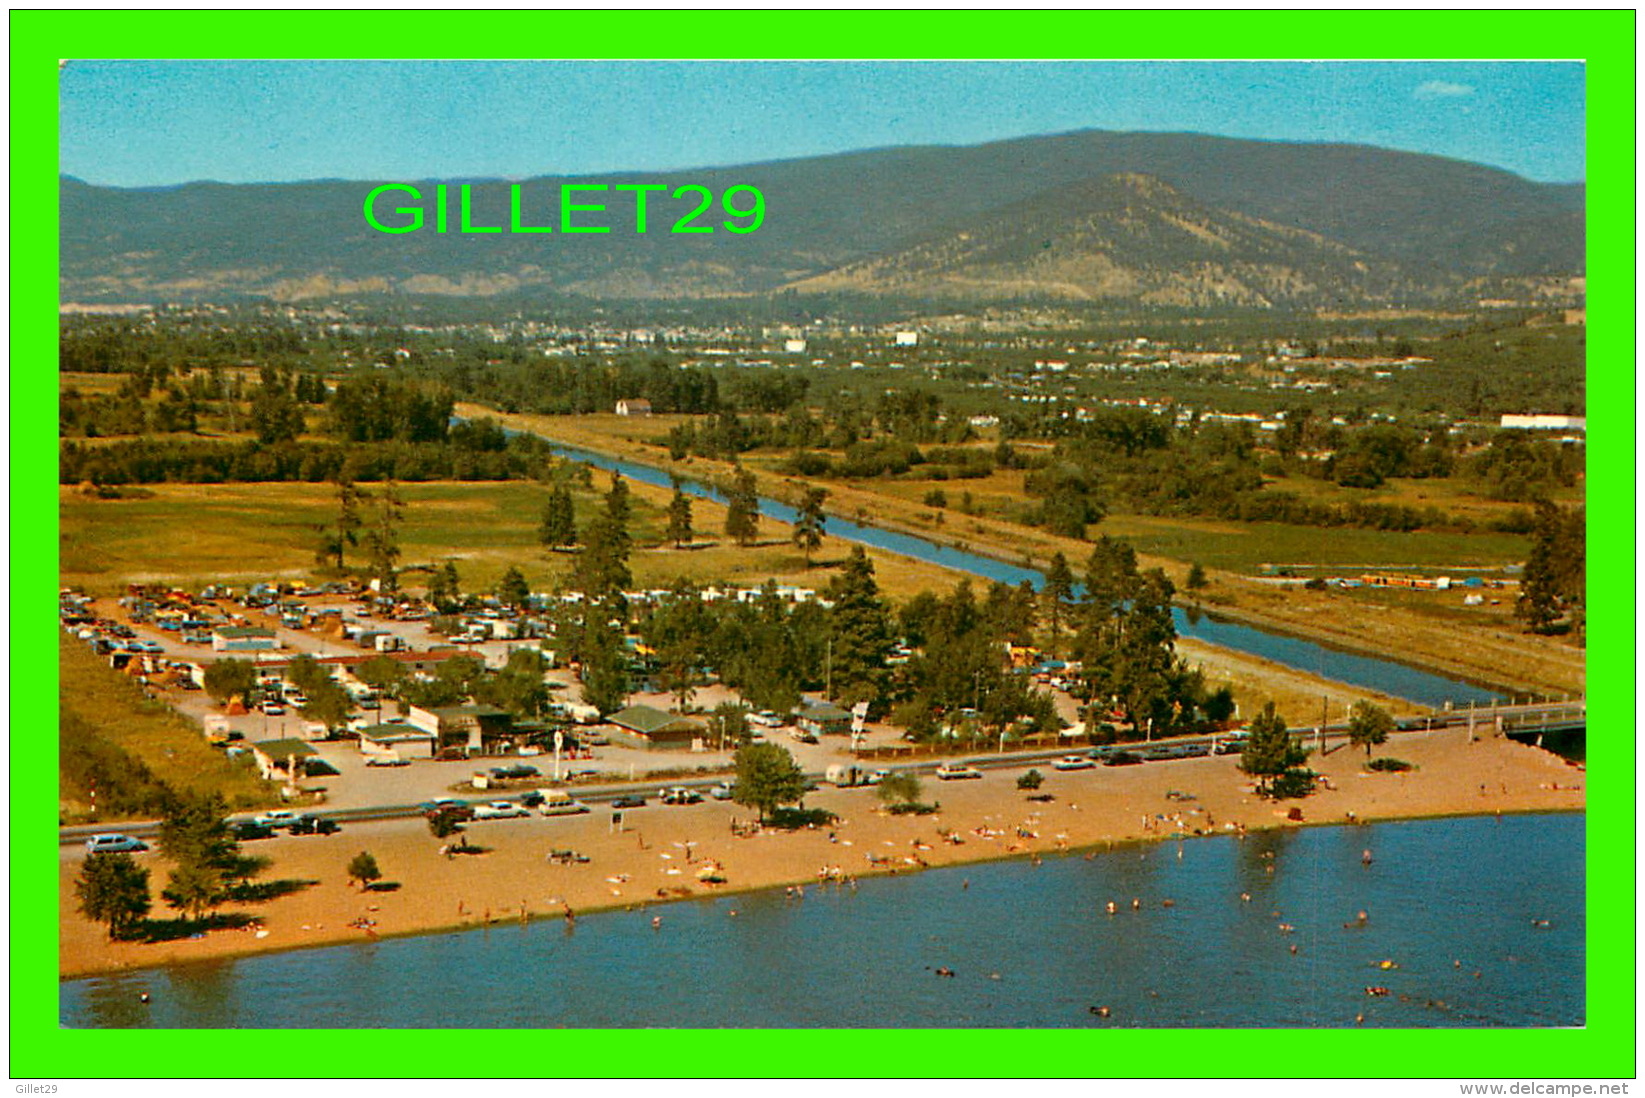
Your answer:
<point x="912" y="808"/>
<point x="1388" y="764"/>
<point x="1031" y="780"/>
<point x="792" y="819"/>
<point x="1296" y="782"/>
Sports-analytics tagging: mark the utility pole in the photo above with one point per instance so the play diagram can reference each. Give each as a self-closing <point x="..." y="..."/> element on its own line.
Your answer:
<point x="1324" y="717"/>
<point x="828" y="669"/>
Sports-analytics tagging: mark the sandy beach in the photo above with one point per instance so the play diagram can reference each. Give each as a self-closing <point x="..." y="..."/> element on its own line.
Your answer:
<point x="659" y="851"/>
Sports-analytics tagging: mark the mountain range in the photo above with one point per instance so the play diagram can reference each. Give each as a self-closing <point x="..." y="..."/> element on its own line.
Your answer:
<point x="1131" y="218"/>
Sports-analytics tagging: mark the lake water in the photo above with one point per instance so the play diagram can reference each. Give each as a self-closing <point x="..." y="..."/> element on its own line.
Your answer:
<point x="1029" y="947"/>
<point x="1383" y="675"/>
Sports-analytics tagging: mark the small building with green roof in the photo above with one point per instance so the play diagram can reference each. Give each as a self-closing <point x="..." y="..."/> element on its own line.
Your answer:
<point x="651" y="729"/>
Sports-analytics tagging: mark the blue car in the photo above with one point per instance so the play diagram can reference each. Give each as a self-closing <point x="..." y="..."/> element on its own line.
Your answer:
<point x="115" y="844"/>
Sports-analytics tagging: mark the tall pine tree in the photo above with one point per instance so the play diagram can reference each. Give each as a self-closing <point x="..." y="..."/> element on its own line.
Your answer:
<point x="742" y="511"/>
<point x="808" y="524"/>
<point x="860" y="633"/>
<point x="1057" y="593"/>
<point x="679" y="517"/>
<point x="559" y="525"/>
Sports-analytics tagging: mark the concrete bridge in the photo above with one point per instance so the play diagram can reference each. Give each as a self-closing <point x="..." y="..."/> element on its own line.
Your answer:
<point x="1520" y="720"/>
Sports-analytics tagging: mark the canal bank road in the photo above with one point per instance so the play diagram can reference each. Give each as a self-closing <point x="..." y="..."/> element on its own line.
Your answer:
<point x="664" y="852"/>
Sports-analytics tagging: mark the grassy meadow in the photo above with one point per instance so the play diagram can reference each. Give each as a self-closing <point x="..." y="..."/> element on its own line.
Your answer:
<point x="192" y="535"/>
<point x="108" y="717"/>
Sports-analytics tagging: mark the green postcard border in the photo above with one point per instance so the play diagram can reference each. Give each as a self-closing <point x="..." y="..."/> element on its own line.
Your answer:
<point x="1604" y="40"/>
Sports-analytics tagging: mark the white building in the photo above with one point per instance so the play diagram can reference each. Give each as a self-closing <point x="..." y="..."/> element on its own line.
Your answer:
<point x="907" y="339"/>
<point x="1544" y="423"/>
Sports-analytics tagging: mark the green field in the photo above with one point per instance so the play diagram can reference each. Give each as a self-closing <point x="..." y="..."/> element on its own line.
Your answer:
<point x="192" y="535"/>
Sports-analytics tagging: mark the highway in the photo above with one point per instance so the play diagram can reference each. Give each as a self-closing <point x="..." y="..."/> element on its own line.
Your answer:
<point x="1514" y="720"/>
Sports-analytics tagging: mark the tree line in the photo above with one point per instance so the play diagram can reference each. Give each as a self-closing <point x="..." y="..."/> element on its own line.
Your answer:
<point x="188" y="461"/>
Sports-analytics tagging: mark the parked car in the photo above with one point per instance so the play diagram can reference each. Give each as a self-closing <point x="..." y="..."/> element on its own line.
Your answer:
<point x="501" y="810"/>
<point x="515" y="770"/>
<point x="765" y="718"/>
<point x="557" y="802"/>
<point x="800" y="735"/>
<point x="249" y="830"/>
<point x="448" y="806"/>
<point x="115" y="844"/>
<point x="1122" y="758"/>
<point x="314" y="825"/>
<point x="387" y="760"/>
<point x="277" y="819"/>
<point x="721" y="792"/>
<point x="273" y="709"/>
<point x="679" y="794"/>
<point x="1073" y="762"/>
<point x="949" y="772"/>
<point x="629" y="801"/>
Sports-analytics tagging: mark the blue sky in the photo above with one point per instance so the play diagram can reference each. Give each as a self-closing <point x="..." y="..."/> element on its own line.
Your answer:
<point x="134" y="123"/>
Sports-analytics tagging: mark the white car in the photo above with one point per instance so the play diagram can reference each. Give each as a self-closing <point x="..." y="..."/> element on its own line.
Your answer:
<point x="955" y="771"/>
<point x="277" y="819"/>
<point x="1073" y="762"/>
<point x="114" y="844"/>
<point x="721" y="792"/>
<point x="500" y="810"/>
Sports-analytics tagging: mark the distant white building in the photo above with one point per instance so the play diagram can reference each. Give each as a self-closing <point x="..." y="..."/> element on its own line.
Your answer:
<point x="794" y="346"/>
<point x="1544" y="423"/>
<point x="634" y="407"/>
<point x="907" y="339"/>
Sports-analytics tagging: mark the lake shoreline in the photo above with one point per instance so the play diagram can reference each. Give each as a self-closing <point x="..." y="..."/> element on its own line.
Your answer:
<point x="652" y="860"/>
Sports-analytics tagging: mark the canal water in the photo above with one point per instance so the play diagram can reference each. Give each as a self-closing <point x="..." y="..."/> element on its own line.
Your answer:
<point x="1470" y="922"/>
<point x="1387" y="676"/>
